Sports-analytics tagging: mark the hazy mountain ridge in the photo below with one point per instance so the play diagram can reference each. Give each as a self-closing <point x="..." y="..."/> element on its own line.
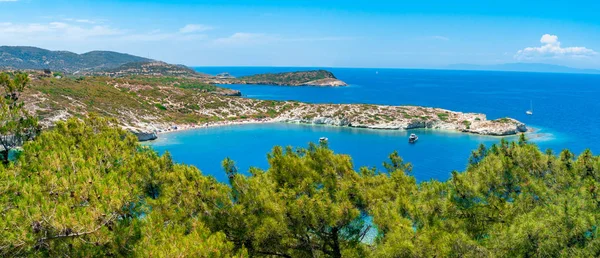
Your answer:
<point x="522" y="67"/>
<point x="20" y="57"/>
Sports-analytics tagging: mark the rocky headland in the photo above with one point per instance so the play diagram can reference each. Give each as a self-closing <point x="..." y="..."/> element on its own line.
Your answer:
<point x="400" y="118"/>
<point x="149" y="106"/>
<point x="319" y="78"/>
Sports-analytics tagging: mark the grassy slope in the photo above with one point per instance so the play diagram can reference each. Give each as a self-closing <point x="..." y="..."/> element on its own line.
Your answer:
<point x="142" y="99"/>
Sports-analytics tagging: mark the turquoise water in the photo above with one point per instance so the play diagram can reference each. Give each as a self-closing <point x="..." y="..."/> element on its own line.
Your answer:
<point x="434" y="156"/>
<point x="566" y="115"/>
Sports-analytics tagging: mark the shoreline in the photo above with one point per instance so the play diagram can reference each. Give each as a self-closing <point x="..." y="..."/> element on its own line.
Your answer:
<point x="183" y="128"/>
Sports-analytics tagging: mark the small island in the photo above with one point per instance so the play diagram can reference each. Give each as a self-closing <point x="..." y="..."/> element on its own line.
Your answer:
<point x="319" y="78"/>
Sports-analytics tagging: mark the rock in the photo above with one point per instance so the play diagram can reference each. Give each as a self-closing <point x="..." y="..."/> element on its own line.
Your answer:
<point x="399" y="118"/>
<point x="146" y="136"/>
<point x="327" y="82"/>
<point x="224" y="75"/>
<point x="507" y="127"/>
<point x="229" y="92"/>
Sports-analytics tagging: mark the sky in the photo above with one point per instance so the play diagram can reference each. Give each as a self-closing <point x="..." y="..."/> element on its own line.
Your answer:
<point x="333" y="33"/>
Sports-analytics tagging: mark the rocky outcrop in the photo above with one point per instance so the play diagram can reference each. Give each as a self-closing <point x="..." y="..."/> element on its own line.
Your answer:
<point x="328" y="82"/>
<point x="228" y="92"/>
<point x="145" y="136"/>
<point x="502" y="127"/>
<point x="484" y="128"/>
<point x="401" y="118"/>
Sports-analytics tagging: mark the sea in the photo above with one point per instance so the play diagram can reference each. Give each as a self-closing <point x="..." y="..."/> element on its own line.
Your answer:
<point x="566" y="115"/>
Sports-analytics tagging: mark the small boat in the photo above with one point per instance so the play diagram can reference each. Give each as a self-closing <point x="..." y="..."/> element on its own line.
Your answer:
<point x="530" y="111"/>
<point x="413" y="138"/>
<point x="323" y="140"/>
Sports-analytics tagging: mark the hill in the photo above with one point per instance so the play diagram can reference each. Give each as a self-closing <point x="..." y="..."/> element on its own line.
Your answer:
<point x="18" y="57"/>
<point x="522" y="67"/>
<point x="302" y="78"/>
<point x="154" y="68"/>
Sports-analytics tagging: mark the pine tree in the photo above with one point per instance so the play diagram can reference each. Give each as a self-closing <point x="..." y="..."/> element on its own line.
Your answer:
<point x="16" y="124"/>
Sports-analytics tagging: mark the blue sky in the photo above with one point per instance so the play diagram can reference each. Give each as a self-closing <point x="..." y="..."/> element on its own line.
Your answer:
<point x="411" y="34"/>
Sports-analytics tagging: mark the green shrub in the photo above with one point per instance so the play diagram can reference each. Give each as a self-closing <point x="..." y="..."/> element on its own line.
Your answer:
<point x="160" y="106"/>
<point x="443" y="116"/>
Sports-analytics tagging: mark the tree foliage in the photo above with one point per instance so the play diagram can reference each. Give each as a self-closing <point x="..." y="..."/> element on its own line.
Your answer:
<point x="16" y="124"/>
<point x="87" y="188"/>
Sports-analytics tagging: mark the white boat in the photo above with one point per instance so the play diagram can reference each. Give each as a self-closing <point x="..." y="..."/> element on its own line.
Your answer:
<point x="413" y="138"/>
<point x="530" y="111"/>
<point x="323" y="140"/>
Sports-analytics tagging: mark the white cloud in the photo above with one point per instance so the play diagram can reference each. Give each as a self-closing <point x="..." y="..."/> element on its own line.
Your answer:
<point x="245" y="38"/>
<point x="551" y="49"/>
<point x="191" y="28"/>
<point x="54" y="30"/>
<point x="311" y="39"/>
<point x="188" y="32"/>
<point x="80" y="20"/>
<point x="549" y="39"/>
<point x="157" y="35"/>
<point x="9" y="0"/>
<point x="440" y="38"/>
<point x="72" y="30"/>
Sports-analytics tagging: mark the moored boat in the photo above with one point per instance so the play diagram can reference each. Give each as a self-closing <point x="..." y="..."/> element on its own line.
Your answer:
<point x="413" y="138"/>
<point x="530" y="111"/>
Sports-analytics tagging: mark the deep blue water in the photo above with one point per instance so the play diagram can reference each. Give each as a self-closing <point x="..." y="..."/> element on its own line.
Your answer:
<point x="566" y="114"/>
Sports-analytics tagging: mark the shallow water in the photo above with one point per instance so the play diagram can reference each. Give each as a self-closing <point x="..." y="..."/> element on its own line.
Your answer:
<point x="566" y="115"/>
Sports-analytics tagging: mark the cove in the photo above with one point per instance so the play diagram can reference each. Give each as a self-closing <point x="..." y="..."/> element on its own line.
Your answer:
<point x="434" y="156"/>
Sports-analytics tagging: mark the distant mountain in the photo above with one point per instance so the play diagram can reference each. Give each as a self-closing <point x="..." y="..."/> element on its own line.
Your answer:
<point x="37" y="58"/>
<point x="522" y="67"/>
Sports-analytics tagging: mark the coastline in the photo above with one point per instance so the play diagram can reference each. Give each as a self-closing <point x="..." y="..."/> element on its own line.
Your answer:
<point x="151" y="110"/>
<point x="189" y="127"/>
<point x="181" y="128"/>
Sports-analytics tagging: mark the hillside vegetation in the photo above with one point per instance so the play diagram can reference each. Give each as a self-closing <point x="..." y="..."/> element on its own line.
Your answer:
<point x="150" y="69"/>
<point x="37" y="59"/>
<point x="288" y="79"/>
<point x="133" y="101"/>
<point x="87" y="189"/>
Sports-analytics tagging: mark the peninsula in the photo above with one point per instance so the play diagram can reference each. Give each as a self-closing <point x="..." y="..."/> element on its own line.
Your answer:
<point x="149" y="105"/>
<point x="113" y="64"/>
<point x="149" y="97"/>
<point x="320" y="78"/>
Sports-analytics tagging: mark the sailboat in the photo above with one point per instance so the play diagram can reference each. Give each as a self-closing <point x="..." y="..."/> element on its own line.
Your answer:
<point x="530" y="111"/>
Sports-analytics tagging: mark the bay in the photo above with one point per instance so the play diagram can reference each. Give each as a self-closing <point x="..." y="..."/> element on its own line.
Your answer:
<point x="566" y="115"/>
